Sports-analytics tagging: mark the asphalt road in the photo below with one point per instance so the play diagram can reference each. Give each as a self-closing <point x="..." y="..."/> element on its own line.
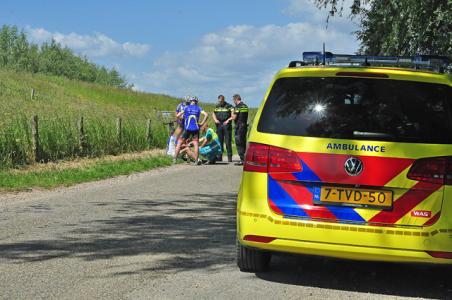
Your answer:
<point x="170" y="234"/>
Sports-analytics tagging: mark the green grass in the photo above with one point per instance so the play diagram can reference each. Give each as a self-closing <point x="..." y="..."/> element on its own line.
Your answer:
<point x="11" y="180"/>
<point x="59" y="103"/>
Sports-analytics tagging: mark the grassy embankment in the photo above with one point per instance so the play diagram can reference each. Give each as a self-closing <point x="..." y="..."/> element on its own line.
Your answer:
<point x="59" y="103"/>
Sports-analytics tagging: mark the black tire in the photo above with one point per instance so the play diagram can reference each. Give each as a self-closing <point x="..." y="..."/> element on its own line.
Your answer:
<point x="252" y="260"/>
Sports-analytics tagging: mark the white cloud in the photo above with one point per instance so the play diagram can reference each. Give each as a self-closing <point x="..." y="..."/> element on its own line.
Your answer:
<point x="240" y="59"/>
<point x="136" y="49"/>
<point x="96" y="45"/>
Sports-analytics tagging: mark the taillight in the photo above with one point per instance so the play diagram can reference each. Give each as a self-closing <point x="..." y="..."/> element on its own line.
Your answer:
<point x="440" y="254"/>
<point x="436" y="170"/>
<point x="283" y="160"/>
<point x="269" y="159"/>
<point x="362" y="74"/>
<point x="256" y="158"/>
<point x="259" y="239"/>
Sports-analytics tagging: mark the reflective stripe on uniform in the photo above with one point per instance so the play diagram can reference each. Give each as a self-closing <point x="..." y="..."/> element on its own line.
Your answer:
<point x="223" y="112"/>
<point x="222" y="109"/>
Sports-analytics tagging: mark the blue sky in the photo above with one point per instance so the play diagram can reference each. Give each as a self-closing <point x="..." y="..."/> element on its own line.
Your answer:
<point x="196" y="47"/>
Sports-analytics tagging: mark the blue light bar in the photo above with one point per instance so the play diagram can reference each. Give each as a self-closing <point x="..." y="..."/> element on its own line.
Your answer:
<point x="434" y="62"/>
<point x="317" y="57"/>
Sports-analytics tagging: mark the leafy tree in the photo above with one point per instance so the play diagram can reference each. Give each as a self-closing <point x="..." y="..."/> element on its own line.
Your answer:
<point x="400" y="27"/>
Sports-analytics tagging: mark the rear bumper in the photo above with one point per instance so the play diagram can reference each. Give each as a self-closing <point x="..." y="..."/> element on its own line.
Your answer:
<point x="296" y="237"/>
<point x="348" y="241"/>
<point x="347" y="251"/>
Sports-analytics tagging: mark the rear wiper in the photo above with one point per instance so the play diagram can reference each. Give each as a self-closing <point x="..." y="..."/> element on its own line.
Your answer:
<point x="372" y="134"/>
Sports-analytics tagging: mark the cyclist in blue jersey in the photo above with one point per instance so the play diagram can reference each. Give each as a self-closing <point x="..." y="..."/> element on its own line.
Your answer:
<point x="191" y="115"/>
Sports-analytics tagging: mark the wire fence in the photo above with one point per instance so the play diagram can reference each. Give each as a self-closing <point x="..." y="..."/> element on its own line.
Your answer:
<point x="25" y="141"/>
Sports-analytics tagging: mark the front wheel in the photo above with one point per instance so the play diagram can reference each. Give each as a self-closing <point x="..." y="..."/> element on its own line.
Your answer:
<point x="252" y="260"/>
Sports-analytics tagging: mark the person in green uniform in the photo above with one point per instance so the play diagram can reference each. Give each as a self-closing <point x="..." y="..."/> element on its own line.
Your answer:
<point x="209" y="145"/>
<point x="222" y="117"/>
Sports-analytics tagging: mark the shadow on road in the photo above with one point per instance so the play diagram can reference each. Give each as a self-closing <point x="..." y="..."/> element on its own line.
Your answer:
<point x="405" y="280"/>
<point x="196" y="231"/>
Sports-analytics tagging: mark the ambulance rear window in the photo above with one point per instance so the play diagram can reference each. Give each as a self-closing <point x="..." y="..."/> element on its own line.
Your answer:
<point x="359" y="109"/>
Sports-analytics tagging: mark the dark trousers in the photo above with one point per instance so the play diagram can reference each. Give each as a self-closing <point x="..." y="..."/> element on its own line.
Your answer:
<point x="225" y="136"/>
<point x="240" y="140"/>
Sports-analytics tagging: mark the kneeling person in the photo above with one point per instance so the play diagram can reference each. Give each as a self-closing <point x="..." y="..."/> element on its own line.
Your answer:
<point x="210" y="147"/>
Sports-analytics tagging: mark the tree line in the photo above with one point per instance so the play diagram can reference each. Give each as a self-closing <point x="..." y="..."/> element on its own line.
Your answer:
<point x="19" y="54"/>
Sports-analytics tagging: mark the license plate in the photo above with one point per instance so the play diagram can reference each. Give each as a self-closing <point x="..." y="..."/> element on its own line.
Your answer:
<point x="354" y="197"/>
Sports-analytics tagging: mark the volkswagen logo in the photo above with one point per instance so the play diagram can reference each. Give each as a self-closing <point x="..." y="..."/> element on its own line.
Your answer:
<point x="353" y="166"/>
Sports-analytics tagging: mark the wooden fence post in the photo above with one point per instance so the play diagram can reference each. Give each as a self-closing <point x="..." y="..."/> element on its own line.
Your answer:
<point x="32" y="96"/>
<point x="35" y="138"/>
<point x="81" y="135"/>
<point x="149" y="132"/>
<point x="119" y="130"/>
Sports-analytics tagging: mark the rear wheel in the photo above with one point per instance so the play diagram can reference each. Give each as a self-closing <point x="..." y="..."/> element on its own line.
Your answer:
<point x="252" y="260"/>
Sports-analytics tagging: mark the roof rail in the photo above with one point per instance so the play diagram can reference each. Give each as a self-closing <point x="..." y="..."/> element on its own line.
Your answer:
<point x="434" y="63"/>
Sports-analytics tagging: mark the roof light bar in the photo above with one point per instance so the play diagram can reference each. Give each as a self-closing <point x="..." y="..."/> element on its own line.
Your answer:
<point x="317" y="57"/>
<point x="432" y="62"/>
